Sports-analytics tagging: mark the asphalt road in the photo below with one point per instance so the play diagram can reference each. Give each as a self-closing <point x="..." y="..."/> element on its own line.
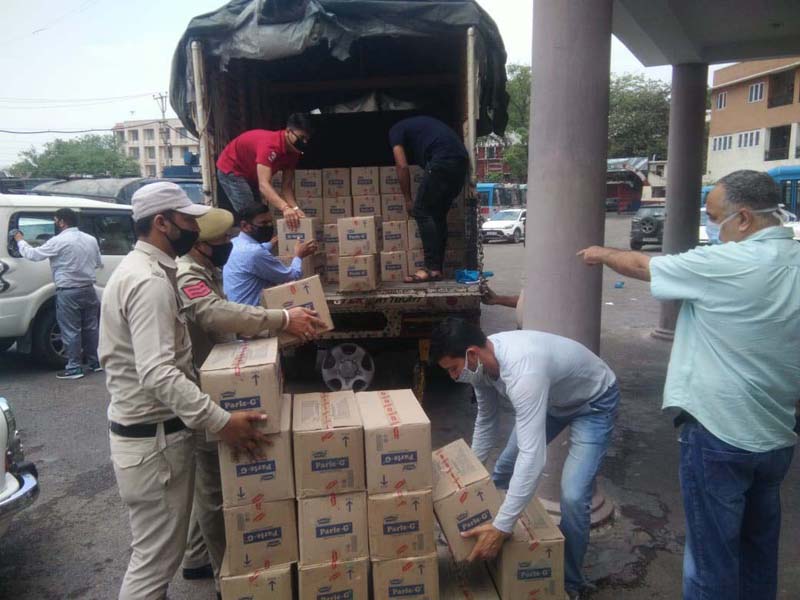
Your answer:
<point x="73" y="543"/>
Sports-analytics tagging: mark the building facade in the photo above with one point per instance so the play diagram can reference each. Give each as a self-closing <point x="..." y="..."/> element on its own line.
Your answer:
<point x="155" y="144"/>
<point x="755" y="117"/>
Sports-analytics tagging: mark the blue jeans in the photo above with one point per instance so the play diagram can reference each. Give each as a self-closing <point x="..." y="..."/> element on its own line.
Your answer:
<point x="77" y="312"/>
<point x="733" y="517"/>
<point x="589" y="438"/>
<point x="238" y="191"/>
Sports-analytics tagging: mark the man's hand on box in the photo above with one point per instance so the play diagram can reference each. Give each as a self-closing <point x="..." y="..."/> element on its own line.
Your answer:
<point x="292" y="215"/>
<point x="241" y="434"/>
<point x="303" y="249"/>
<point x="304" y="323"/>
<point x="489" y="542"/>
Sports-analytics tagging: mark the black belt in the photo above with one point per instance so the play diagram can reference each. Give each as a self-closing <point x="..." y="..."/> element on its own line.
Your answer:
<point x="145" y="430"/>
<point x="79" y="287"/>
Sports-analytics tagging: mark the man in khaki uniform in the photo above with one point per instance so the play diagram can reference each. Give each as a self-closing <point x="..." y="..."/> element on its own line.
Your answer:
<point x="214" y="320"/>
<point x="146" y="352"/>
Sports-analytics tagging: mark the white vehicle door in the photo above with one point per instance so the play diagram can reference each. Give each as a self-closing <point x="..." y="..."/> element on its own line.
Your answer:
<point x="113" y="230"/>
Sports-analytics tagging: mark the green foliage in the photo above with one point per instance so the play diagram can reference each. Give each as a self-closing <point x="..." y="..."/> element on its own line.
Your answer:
<point x="87" y="156"/>
<point x="519" y="103"/>
<point x="516" y="156"/>
<point x="638" y="118"/>
<point x="493" y="178"/>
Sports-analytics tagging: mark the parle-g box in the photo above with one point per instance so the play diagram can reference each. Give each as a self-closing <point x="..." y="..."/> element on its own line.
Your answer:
<point x="307" y="293"/>
<point x="260" y="584"/>
<point x="335" y="182"/>
<point x="397" y="438"/>
<point x="359" y="235"/>
<point x="246" y="375"/>
<point x="333" y="528"/>
<point x="308" y="183"/>
<point x="328" y="444"/>
<point x="309" y="229"/>
<point x="259" y="536"/>
<point x="335" y="580"/>
<point x="416" y="578"/>
<point x="400" y="525"/>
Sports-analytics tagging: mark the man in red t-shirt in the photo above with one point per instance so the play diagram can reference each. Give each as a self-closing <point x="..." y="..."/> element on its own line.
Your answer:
<point x="247" y="165"/>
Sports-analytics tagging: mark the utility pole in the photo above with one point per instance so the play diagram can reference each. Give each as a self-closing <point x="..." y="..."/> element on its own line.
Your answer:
<point x="163" y="130"/>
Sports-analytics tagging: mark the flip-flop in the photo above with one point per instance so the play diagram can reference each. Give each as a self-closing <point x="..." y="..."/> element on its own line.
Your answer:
<point x="417" y="279"/>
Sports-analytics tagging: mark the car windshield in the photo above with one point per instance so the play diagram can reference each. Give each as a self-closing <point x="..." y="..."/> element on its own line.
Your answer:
<point x="506" y="215"/>
<point x="193" y="190"/>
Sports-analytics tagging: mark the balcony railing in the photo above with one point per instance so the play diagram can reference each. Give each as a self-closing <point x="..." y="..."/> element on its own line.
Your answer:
<point x="777" y="153"/>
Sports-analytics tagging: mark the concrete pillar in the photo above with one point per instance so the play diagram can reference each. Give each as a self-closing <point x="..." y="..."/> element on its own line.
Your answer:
<point x="685" y="151"/>
<point x="566" y="182"/>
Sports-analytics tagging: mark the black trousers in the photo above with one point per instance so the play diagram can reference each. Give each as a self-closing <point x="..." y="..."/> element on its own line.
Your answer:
<point x="443" y="180"/>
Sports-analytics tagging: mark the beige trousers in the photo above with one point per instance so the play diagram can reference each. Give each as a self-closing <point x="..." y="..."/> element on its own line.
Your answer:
<point x="155" y="477"/>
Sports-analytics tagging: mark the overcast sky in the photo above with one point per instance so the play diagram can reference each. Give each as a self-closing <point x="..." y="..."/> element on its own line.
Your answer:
<point x="114" y="55"/>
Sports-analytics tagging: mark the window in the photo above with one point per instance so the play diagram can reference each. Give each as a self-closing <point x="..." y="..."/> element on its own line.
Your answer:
<point x="119" y="137"/>
<point x="722" y="100"/>
<point x="756" y="93"/>
<point x="150" y="170"/>
<point x="722" y="142"/>
<point x="133" y="135"/>
<point x="114" y="233"/>
<point x="491" y="152"/>
<point x="134" y="152"/>
<point x="37" y="228"/>
<point x="149" y="135"/>
<point x="748" y="139"/>
<point x="781" y="89"/>
<point x="777" y="143"/>
<point x="151" y="152"/>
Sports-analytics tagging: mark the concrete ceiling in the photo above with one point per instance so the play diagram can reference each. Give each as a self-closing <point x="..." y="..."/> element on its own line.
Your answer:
<point x="664" y="32"/>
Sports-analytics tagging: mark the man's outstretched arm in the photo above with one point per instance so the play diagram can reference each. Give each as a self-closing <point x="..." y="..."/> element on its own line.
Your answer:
<point x="625" y="262"/>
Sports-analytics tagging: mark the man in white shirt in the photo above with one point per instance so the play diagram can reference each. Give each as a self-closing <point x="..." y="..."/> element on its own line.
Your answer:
<point x="552" y="382"/>
<point x="74" y="256"/>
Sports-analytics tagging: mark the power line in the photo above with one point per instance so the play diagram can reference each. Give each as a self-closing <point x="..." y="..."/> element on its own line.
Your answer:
<point x="55" y="21"/>
<point x="13" y="132"/>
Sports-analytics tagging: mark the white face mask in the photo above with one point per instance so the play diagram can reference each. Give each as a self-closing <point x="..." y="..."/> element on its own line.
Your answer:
<point x="713" y="229"/>
<point x="468" y="376"/>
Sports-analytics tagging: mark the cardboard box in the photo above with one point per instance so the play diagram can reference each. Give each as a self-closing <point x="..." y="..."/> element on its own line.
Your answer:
<point x="331" y="268"/>
<point x="359" y="235"/>
<point x="246" y="375"/>
<point x="310" y="265"/>
<point x="303" y="292"/>
<point x="397" y="438"/>
<point x="417" y="174"/>
<point x="308" y="183"/>
<point x="416" y="578"/>
<point x="277" y="181"/>
<point x="259" y="536"/>
<point x="365" y="181"/>
<point x="269" y="477"/>
<point x="464" y="495"/>
<point x="311" y="207"/>
<point x="394" y="266"/>
<point x="393" y="207"/>
<point x="531" y="563"/>
<point x="395" y="235"/>
<point x="335" y="182"/>
<point x="330" y="238"/>
<point x="328" y="444"/>
<point x="464" y="581"/>
<point x="389" y="182"/>
<point x="335" y="581"/>
<point x="333" y="528"/>
<point x="337" y="208"/>
<point x="309" y="229"/>
<point x="261" y="584"/>
<point x="400" y="525"/>
<point x="414" y="238"/>
<point x="367" y="206"/>
<point x="358" y="273"/>
<point x="416" y="260"/>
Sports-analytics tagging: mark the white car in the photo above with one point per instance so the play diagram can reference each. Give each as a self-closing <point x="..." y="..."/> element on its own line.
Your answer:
<point x="507" y="225"/>
<point x="19" y="480"/>
<point x="27" y="291"/>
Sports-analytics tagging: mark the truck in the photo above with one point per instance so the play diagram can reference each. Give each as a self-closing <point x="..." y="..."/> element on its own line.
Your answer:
<point x="358" y="67"/>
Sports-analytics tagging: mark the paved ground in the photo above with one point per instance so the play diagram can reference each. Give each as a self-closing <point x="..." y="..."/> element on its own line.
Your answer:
<point x="74" y="542"/>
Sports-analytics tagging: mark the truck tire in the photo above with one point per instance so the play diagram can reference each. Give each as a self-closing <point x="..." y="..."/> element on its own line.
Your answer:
<point x="47" y="346"/>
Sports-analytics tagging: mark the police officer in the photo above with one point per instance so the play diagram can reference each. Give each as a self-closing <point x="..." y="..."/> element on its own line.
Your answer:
<point x="146" y="352"/>
<point x="212" y="319"/>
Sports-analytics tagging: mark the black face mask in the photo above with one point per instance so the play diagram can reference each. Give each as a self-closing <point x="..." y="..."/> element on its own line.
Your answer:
<point x="262" y="233"/>
<point x="300" y="144"/>
<point x="185" y="240"/>
<point x="220" y="253"/>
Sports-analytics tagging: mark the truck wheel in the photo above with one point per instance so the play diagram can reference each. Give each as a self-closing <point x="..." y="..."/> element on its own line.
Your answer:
<point x="47" y="346"/>
<point x="348" y="367"/>
<point x="517" y="236"/>
<point x="6" y="343"/>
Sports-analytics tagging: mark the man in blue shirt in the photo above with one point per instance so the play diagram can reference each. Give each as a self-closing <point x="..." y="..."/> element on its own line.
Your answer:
<point x="251" y="266"/>
<point x="431" y="144"/>
<point x="733" y="382"/>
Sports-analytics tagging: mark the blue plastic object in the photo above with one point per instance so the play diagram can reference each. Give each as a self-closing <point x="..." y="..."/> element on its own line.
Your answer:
<point x="466" y="276"/>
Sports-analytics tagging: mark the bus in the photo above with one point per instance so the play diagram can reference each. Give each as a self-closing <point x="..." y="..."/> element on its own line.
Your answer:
<point x="497" y="196"/>
<point x="788" y="179"/>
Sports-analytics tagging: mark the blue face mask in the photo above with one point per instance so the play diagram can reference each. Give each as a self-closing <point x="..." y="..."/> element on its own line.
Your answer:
<point x="468" y="376"/>
<point x="713" y="229"/>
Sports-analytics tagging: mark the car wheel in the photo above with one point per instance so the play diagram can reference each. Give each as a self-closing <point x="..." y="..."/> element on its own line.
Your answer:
<point x="636" y="245"/>
<point x="517" y="236"/>
<point x="47" y="345"/>
<point x="649" y="226"/>
<point x="6" y="343"/>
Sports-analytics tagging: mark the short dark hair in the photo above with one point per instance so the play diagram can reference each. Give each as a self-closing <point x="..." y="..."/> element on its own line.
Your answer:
<point x="143" y="227"/>
<point x="300" y="121"/>
<point x="452" y="337"/>
<point x="750" y="189"/>
<point x="251" y="212"/>
<point x="69" y="216"/>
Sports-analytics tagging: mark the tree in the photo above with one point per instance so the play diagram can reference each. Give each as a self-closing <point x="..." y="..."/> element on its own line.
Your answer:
<point x="516" y="155"/>
<point x="87" y="156"/>
<point x="518" y="87"/>
<point x="638" y="117"/>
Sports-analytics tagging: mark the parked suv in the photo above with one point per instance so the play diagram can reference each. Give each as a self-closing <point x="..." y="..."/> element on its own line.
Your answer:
<point x="507" y="225"/>
<point x="647" y="226"/>
<point x="27" y="292"/>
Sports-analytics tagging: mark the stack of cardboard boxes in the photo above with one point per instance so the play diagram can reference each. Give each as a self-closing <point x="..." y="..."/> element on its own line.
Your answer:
<point x="397" y="440"/>
<point x="331" y="497"/>
<point x="257" y="492"/>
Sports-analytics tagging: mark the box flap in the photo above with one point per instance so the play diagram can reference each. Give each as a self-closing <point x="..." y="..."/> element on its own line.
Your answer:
<point x="455" y="467"/>
<point x="536" y="521"/>
<point x="327" y="410"/>
<point x="241" y="355"/>
<point x="390" y="408"/>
